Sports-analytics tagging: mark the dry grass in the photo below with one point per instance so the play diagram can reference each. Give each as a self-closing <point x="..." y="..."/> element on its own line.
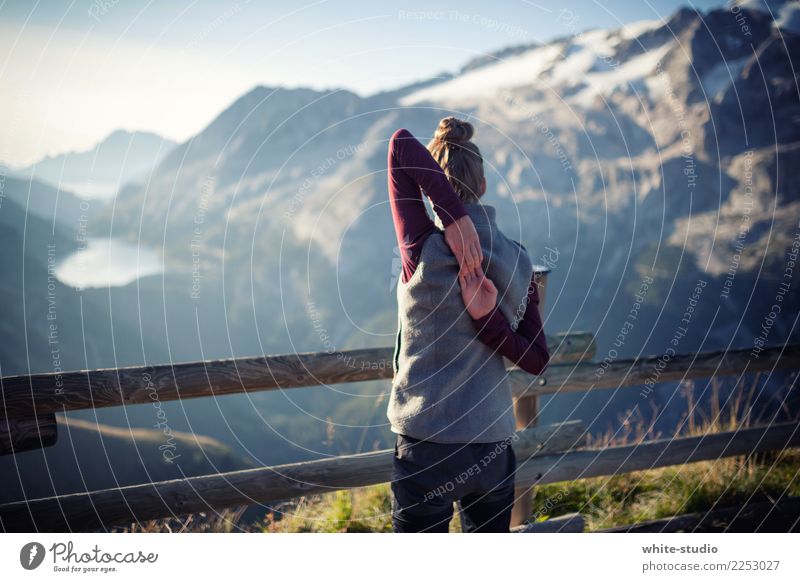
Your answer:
<point x="226" y="521"/>
<point x="646" y="495"/>
<point x="604" y="501"/>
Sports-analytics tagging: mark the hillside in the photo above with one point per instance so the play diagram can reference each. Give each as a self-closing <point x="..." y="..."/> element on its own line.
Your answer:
<point x="89" y="455"/>
<point x="52" y="323"/>
<point x="119" y="158"/>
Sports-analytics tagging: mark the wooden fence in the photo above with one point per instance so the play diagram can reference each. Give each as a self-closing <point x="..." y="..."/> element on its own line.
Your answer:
<point x="545" y="454"/>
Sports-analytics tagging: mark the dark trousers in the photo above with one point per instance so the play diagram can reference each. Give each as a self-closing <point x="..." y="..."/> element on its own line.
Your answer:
<point x="428" y="478"/>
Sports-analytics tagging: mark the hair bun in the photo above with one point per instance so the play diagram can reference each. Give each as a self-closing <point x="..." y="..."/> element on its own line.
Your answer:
<point x="454" y="131"/>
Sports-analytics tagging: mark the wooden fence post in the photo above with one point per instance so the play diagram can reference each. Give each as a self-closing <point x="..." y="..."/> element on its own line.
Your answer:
<point x="526" y="410"/>
<point x="26" y="434"/>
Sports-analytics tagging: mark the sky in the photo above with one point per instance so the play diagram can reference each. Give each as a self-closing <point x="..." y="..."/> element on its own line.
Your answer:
<point x="72" y="72"/>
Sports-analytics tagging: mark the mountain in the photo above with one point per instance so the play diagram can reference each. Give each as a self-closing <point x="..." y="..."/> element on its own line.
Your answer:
<point x="648" y="162"/>
<point x="53" y="323"/>
<point x="652" y="150"/>
<point x="616" y="147"/>
<point x="98" y="172"/>
<point x="60" y="208"/>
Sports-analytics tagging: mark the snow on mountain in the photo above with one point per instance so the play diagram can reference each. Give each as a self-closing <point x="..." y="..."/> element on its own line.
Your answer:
<point x="633" y="30"/>
<point x="585" y="62"/>
<point x="789" y="18"/>
<point x="490" y="79"/>
<point x="785" y="12"/>
<point x="722" y="76"/>
<point x="631" y="73"/>
<point x="772" y="7"/>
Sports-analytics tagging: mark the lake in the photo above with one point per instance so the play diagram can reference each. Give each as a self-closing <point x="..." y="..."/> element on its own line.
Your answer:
<point x="108" y="262"/>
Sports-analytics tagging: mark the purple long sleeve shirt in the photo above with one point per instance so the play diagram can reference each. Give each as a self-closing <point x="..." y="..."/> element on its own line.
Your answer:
<point x="412" y="169"/>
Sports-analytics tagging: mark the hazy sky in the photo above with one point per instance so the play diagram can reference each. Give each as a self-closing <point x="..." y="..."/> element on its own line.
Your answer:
<point x="72" y="72"/>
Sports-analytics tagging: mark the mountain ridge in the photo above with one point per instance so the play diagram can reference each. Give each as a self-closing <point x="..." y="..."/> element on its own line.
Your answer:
<point x="120" y="157"/>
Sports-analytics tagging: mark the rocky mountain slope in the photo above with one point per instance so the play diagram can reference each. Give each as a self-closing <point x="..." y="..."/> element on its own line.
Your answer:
<point x="628" y="151"/>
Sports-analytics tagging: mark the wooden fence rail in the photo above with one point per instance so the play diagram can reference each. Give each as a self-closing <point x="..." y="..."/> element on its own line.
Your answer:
<point x="584" y="376"/>
<point x="26" y="396"/>
<point x="584" y="464"/>
<point x="101" y="509"/>
<point x="38" y="394"/>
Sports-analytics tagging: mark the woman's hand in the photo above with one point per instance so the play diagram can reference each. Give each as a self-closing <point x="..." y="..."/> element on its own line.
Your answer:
<point x="479" y="294"/>
<point x="462" y="238"/>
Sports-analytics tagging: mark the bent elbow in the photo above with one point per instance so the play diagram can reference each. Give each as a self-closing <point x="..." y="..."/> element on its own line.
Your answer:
<point x="397" y="144"/>
<point x="545" y="362"/>
<point x="540" y="364"/>
<point x="399" y="136"/>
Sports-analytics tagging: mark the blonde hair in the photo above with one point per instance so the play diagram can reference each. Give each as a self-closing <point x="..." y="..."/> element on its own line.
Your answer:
<point x="459" y="157"/>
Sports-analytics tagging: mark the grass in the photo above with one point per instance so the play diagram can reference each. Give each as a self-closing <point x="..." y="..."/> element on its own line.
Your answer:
<point x="607" y="502"/>
<point x="367" y="509"/>
<point x="631" y="498"/>
<point x="603" y="501"/>
<point x="226" y="521"/>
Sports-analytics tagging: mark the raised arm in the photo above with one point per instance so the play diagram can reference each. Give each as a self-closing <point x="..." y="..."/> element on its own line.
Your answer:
<point x="412" y="167"/>
<point x="527" y="346"/>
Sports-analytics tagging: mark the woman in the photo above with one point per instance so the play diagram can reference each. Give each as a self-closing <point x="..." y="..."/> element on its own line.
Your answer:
<point x="450" y="404"/>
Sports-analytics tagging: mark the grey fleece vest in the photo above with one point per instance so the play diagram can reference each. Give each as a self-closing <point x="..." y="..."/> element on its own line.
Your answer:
<point x="448" y="386"/>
